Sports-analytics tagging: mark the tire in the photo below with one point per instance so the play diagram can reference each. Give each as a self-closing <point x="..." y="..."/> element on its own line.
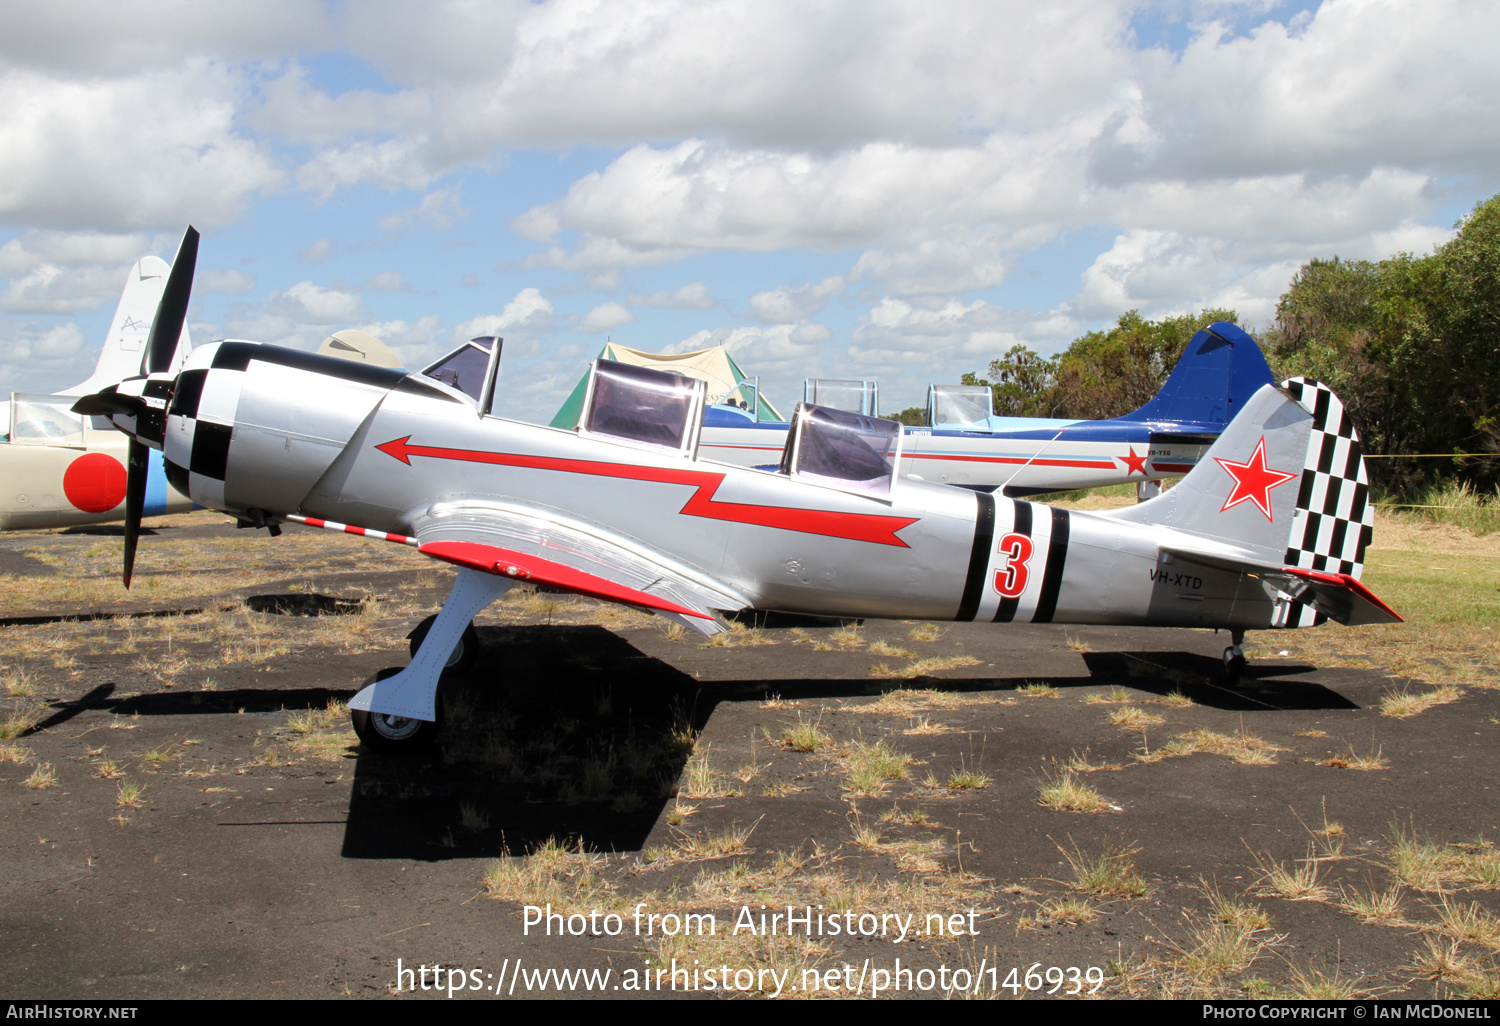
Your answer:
<point x="1234" y="666"/>
<point x="396" y="735"/>
<point x="464" y="655"/>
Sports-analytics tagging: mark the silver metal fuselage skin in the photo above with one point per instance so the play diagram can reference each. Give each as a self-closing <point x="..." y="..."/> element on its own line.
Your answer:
<point x="317" y="441"/>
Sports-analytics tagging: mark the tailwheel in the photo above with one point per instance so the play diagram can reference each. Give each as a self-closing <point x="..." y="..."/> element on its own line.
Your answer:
<point x="396" y="735"/>
<point x="464" y="654"/>
<point x="1234" y="657"/>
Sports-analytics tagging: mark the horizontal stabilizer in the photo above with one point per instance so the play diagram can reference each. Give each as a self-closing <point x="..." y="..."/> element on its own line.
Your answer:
<point x="1338" y="596"/>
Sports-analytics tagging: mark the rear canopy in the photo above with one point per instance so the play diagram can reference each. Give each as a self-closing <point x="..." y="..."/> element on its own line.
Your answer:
<point x="712" y="366"/>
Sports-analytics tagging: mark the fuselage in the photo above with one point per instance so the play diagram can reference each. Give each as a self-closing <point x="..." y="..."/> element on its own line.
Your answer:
<point x="364" y="446"/>
<point x="61" y="469"/>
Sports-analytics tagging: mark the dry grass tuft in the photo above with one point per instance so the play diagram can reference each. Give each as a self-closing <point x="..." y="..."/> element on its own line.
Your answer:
<point x="1402" y="704"/>
<point x="1245" y="749"/>
<point x="42" y="776"/>
<point x="1067" y="793"/>
<point x="1110" y="874"/>
<point x="1133" y="718"/>
<point x="804" y="737"/>
<point x="568" y="879"/>
<point x="1380" y="908"/>
<point x="1298" y="882"/>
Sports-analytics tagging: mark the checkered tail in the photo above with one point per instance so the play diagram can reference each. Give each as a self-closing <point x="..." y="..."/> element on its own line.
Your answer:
<point x="1335" y="520"/>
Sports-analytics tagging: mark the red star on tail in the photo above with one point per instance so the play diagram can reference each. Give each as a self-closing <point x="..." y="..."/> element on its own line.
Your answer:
<point x="1253" y="480"/>
<point x="1133" y="464"/>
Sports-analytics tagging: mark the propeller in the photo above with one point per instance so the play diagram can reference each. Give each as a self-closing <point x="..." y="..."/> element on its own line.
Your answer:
<point x="138" y="405"/>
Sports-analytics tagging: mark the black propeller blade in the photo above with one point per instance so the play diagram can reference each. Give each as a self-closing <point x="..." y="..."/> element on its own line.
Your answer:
<point x="135" y="500"/>
<point x="171" y="312"/>
<point x="161" y="344"/>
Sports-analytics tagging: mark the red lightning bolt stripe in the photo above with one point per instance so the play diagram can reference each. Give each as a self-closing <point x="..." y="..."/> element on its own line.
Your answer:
<point x="867" y="527"/>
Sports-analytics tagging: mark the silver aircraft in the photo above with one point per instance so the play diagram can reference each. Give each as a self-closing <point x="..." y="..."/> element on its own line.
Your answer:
<point x="1269" y="530"/>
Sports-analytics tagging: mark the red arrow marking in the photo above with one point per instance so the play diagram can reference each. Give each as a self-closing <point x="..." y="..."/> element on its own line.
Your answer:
<point x="867" y="527"/>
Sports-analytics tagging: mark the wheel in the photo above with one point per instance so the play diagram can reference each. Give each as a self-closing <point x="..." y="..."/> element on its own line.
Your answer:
<point x="1234" y="663"/>
<point x="464" y="654"/>
<point x="396" y="735"/>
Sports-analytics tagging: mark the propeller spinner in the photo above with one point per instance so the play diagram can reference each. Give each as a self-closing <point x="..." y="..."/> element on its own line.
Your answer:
<point x="138" y="406"/>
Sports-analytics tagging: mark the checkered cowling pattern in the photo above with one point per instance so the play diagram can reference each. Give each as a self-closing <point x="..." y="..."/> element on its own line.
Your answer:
<point x="200" y="427"/>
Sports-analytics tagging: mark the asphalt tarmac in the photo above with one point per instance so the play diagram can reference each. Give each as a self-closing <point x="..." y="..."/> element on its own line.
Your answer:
<point x="204" y="835"/>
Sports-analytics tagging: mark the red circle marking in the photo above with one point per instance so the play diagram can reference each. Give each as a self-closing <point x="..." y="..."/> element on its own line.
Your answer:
<point x="95" y="482"/>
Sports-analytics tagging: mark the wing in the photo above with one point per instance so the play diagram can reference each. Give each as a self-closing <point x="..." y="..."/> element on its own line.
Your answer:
<point x="551" y="548"/>
<point x="1340" y="597"/>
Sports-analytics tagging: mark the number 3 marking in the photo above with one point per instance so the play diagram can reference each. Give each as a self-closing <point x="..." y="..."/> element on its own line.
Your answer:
<point x="1010" y="581"/>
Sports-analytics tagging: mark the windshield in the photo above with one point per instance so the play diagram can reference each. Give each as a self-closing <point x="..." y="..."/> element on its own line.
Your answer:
<point x="642" y="405"/>
<point x="464" y="368"/>
<point x="961" y="407"/>
<point x="844" y="449"/>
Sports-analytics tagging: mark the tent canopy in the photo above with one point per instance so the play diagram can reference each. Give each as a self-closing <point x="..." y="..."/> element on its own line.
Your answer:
<point x="713" y="366"/>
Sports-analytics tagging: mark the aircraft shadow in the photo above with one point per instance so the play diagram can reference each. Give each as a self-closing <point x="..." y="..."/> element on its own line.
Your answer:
<point x="572" y="733"/>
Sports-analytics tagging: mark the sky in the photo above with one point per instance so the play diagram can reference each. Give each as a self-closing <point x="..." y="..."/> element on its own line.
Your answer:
<point x="861" y="189"/>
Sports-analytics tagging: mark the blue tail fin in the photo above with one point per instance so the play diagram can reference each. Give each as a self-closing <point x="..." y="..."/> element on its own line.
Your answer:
<point x="1219" y="371"/>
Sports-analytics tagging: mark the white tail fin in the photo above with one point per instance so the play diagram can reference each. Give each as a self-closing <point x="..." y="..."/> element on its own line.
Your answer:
<point x="1285" y="484"/>
<point x="121" y="356"/>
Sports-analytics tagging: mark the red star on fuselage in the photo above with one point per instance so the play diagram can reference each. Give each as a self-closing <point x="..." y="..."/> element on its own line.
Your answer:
<point x="1253" y="480"/>
<point x="1133" y="464"/>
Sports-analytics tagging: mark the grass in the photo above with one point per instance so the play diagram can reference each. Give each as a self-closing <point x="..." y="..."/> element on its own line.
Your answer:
<point x="1298" y="882"/>
<point x="1067" y="793"/>
<point x="1381" y="908"/>
<point x="42" y="776"/>
<point x="1037" y="689"/>
<point x="18" y="682"/>
<point x="1110" y="874"/>
<point x="1114" y="696"/>
<point x="1245" y="749"/>
<point x="967" y="778"/>
<point x="17" y="721"/>
<point x="567" y="878"/>
<point x="805" y="737"/>
<point x="1134" y="718"/>
<point x="870" y="767"/>
<point x="923" y="667"/>
<point x="128" y="794"/>
<point x="1374" y="761"/>
<point x="1403" y="704"/>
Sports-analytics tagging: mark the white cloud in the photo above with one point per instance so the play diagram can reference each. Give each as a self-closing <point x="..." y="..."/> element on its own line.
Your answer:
<point x="606" y="316"/>
<point x="234" y="282"/>
<point x="530" y="311"/>
<point x="439" y="210"/>
<point x="384" y="281"/>
<point x="319" y="251"/>
<point x="789" y="305"/>
<point x="313" y="304"/>
<point x="693" y="296"/>
<point x="153" y="149"/>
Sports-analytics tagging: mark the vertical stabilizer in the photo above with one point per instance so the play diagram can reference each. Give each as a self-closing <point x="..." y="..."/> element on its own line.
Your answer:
<point x="126" y="342"/>
<point x="1284" y="485"/>
<point x="1220" y="369"/>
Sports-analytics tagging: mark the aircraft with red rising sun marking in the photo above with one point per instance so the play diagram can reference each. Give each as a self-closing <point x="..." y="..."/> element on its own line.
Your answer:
<point x="63" y="469"/>
<point x="1268" y="531"/>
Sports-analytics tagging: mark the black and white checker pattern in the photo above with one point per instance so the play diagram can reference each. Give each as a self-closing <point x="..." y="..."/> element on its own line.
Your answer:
<point x="1335" y="519"/>
<point x="200" y="423"/>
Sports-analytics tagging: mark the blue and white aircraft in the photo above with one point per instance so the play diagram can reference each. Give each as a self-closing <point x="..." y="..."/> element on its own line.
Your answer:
<point x="966" y="445"/>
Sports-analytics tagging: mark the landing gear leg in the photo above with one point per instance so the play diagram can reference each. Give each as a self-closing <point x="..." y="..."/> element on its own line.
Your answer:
<point x="1234" y="657"/>
<point x="411" y="694"/>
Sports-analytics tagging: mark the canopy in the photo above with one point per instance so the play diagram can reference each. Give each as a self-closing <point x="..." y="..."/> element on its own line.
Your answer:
<point x="713" y="366"/>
